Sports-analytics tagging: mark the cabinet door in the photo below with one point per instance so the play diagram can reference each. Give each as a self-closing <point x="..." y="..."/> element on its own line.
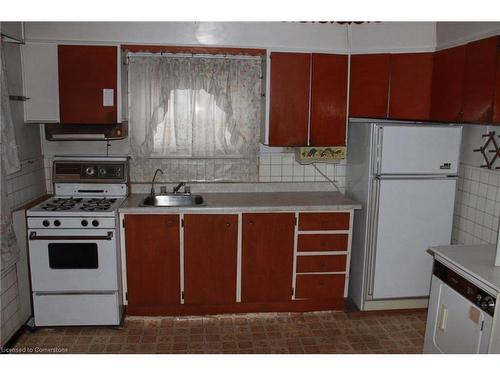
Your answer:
<point x="153" y="261"/>
<point x="369" y="85"/>
<point x="496" y="103"/>
<point x="88" y="77"/>
<point x="328" y="100"/>
<point x="210" y="256"/>
<point x="40" y="82"/>
<point x="411" y="86"/>
<point x="447" y="84"/>
<point x="267" y="257"/>
<point x="479" y="80"/>
<point x="289" y="99"/>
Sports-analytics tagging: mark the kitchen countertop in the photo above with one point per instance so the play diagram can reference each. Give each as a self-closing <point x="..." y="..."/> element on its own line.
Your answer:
<point x="475" y="260"/>
<point x="237" y="202"/>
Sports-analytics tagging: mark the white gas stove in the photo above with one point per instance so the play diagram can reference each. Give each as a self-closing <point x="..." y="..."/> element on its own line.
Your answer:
<point x="74" y="244"/>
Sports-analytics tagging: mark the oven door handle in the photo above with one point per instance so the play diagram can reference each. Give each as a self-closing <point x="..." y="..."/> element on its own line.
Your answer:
<point x="34" y="236"/>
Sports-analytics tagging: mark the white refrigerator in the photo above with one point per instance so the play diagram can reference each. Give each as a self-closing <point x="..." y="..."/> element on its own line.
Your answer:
<point x="404" y="174"/>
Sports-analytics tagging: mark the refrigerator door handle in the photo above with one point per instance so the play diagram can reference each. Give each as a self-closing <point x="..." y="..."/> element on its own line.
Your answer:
<point x="372" y="228"/>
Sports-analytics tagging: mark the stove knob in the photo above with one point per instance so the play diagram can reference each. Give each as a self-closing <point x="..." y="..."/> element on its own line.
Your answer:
<point x="85" y="223"/>
<point x="90" y="171"/>
<point x="57" y="223"/>
<point x="488" y="304"/>
<point x="45" y="223"/>
<point x="479" y="297"/>
<point x="102" y="171"/>
<point x="95" y="223"/>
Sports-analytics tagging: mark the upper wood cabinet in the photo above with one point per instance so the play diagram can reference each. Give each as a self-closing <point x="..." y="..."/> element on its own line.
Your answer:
<point x="307" y="99"/>
<point x="396" y="86"/>
<point x="328" y="100"/>
<point x="448" y="84"/>
<point x="410" y="86"/>
<point x="267" y="257"/>
<point x="153" y="262"/>
<point x="210" y="258"/>
<point x="369" y="85"/>
<point x="40" y="82"/>
<point x="88" y="84"/>
<point x="496" y="101"/>
<point x="479" y="80"/>
<point x="289" y="99"/>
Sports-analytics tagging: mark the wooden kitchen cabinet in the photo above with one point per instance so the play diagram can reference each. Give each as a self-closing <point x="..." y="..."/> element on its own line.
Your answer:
<point x="40" y="82"/>
<point x="88" y="84"/>
<point x="210" y="259"/>
<point x="328" y="100"/>
<point x="307" y="101"/>
<point x="448" y="84"/>
<point x="289" y="99"/>
<point x="320" y="286"/>
<point x="496" y="100"/>
<point x="369" y="85"/>
<point x="479" y="80"/>
<point x="267" y="257"/>
<point x="153" y="259"/>
<point x="410" y="86"/>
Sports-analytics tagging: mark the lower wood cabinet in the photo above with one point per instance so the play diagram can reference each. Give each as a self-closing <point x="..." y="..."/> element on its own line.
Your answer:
<point x="210" y="257"/>
<point x="317" y="286"/>
<point x="267" y="257"/>
<point x="153" y="258"/>
<point x="203" y="263"/>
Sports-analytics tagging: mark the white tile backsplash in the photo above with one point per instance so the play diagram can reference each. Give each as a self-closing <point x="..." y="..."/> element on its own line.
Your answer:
<point x="26" y="184"/>
<point x="284" y="168"/>
<point x="477" y="206"/>
<point x="272" y="167"/>
<point x="9" y="305"/>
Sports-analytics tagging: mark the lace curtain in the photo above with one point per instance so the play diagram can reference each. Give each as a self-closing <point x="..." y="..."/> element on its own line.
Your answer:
<point x="9" y="164"/>
<point x="196" y="108"/>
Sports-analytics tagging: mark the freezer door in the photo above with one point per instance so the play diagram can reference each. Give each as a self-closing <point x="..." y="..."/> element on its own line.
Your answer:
<point x="413" y="214"/>
<point x="410" y="150"/>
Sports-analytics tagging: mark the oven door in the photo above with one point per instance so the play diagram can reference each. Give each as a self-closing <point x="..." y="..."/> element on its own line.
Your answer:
<point x="68" y="260"/>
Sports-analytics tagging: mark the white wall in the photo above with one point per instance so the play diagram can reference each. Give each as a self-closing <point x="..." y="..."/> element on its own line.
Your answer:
<point x="393" y="37"/>
<point x="450" y="34"/>
<point x="383" y="36"/>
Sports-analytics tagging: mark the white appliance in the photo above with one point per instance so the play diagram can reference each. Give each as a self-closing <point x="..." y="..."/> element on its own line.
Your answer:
<point x="74" y="245"/>
<point x="404" y="174"/>
<point x="460" y="315"/>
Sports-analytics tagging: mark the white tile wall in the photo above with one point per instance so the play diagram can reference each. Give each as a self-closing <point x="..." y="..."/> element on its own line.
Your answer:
<point x="283" y="167"/>
<point x="26" y="184"/>
<point x="9" y="305"/>
<point x="272" y="167"/>
<point x="477" y="206"/>
<point x="22" y="187"/>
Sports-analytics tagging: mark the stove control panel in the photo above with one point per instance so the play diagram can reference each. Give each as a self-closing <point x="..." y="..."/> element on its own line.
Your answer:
<point x="90" y="171"/>
<point x="71" y="223"/>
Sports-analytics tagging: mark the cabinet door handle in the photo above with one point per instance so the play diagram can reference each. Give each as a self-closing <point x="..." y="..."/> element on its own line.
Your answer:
<point x="228" y="224"/>
<point x="251" y="222"/>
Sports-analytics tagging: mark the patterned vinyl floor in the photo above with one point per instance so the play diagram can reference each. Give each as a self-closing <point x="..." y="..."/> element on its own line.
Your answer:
<point x="314" y="332"/>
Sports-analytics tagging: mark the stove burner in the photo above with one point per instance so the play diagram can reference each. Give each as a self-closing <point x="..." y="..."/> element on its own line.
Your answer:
<point x="97" y="204"/>
<point x="61" y="204"/>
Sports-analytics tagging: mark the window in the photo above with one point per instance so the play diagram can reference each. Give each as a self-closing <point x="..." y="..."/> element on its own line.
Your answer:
<point x="201" y="108"/>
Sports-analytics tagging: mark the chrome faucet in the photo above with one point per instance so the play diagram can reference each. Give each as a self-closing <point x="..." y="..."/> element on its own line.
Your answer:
<point x="153" y="182"/>
<point x="176" y="189"/>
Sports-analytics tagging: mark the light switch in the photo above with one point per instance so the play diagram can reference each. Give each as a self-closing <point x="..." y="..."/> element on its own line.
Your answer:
<point x="107" y="97"/>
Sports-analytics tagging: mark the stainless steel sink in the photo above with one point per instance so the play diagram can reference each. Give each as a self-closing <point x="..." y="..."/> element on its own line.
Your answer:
<point x="172" y="200"/>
